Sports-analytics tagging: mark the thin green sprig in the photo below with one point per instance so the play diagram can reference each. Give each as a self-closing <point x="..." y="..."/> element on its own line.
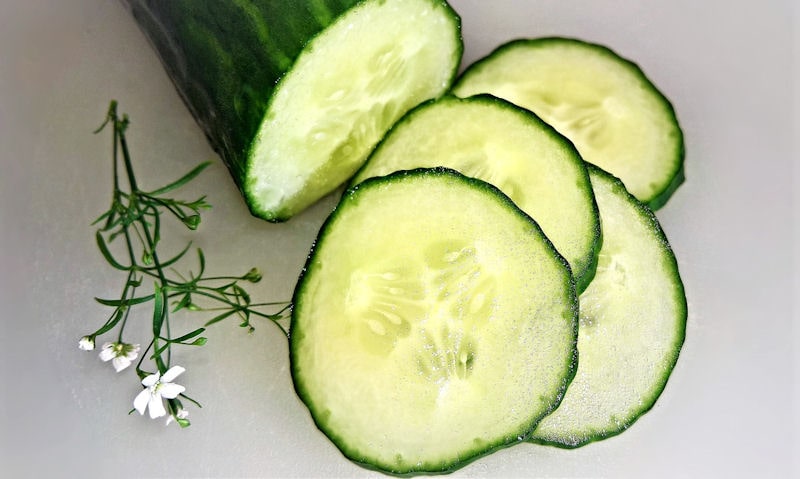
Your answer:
<point x="134" y="218"/>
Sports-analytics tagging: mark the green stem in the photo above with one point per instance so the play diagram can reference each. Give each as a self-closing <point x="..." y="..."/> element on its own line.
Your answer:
<point x="149" y="243"/>
<point x="127" y="309"/>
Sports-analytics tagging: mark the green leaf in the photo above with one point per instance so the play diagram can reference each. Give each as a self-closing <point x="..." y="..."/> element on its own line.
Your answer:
<point x="157" y="353"/>
<point x="113" y="235"/>
<point x="189" y="336"/>
<point x="159" y="313"/>
<point x="156" y="226"/>
<point x="220" y="317"/>
<point x="202" y="260"/>
<point x="172" y="260"/>
<point x="182" y="180"/>
<point x="108" y="214"/>
<point x="185" y="301"/>
<point x="110" y="324"/>
<point x="222" y="289"/>
<point x="124" y="302"/>
<point x="101" y="244"/>
<point x="199" y="204"/>
<point x="240" y="292"/>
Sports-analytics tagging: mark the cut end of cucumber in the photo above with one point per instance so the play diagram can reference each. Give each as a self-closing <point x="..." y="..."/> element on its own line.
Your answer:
<point x="433" y="324"/>
<point x="351" y="83"/>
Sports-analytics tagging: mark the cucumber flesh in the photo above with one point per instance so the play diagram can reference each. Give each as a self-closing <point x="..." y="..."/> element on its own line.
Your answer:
<point x="433" y="323"/>
<point x="495" y="141"/>
<point x="345" y="90"/>
<point x="632" y="325"/>
<point x="605" y="104"/>
<point x="293" y="95"/>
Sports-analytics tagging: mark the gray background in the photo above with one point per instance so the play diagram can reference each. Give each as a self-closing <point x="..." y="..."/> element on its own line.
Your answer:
<point x="730" y="409"/>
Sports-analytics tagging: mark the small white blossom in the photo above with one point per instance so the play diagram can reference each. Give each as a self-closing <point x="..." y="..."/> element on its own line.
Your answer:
<point x="120" y="354"/>
<point x="180" y="414"/>
<point x="86" y="343"/>
<point x="156" y="388"/>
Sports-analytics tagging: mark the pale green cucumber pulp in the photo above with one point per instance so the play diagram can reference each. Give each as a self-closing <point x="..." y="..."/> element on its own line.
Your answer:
<point x="433" y="323"/>
<point x="617" y="118"/>
<point x="632" y="325"/>
<point x="495" y="141"/>
<point x="350" y="84"/>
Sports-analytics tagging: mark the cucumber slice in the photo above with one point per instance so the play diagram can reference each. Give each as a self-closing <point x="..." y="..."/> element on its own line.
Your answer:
<point x="632" y="324"/>
<point x="497" y="142"/>
<point x="433" y="323"/>
<point x="605" y="104"/>
<point x="294" y="95"/>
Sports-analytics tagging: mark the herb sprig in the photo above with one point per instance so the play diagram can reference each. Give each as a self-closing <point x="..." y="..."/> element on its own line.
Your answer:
<point x="134" y="218"/>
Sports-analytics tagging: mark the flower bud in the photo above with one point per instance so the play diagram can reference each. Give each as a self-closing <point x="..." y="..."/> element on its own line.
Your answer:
<point x="86" y="343"/>
<point x="192" y="221"/>
<point x="254" y="275"/>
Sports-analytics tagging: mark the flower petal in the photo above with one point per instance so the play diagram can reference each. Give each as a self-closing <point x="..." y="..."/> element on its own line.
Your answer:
<point x="133" y="353"/>
<point x="108" y="353"/>
<point x="172" y="373"/>
<point x="156" y="406"/>
<point x="150" y="380"/>
<point x="120" y="363"/>
<point x="170" y="390"/>
<point x="140" y="402"/>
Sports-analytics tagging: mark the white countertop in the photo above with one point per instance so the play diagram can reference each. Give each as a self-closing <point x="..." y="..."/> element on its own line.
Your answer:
<point x="729" y="410"/>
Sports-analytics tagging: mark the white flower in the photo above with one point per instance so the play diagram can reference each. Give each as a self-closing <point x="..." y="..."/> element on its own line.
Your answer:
<point x="86" y="343"/>
<point x="181" y="414"/>
<point x="120" y="354"/>
<point x="156" y="388"/>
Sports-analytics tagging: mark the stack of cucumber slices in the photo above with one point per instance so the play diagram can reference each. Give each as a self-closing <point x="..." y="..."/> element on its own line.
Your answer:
<point x="480" y="284"/>
<point x="494" y="273"/>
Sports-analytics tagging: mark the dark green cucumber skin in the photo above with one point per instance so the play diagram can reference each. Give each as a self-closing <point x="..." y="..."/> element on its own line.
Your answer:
<point x="679" y="294"/>
<point x="225" y="58"/>
<point x="353" y="195"/>
<point x="678" y="173"/>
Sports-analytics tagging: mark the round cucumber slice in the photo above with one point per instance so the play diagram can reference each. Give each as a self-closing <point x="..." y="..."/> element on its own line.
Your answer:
<point x="493" y="140"/>
<point x="632" y="324"/>
<point x="433" y="323"/>
<point x="604" y="103"/>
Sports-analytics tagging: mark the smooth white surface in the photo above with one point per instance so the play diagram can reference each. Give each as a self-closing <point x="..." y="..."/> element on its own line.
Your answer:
<point x="730" y="409"/>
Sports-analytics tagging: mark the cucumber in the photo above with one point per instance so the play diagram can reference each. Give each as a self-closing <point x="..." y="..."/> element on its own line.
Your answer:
<point x="293" y="95"/>
<point x="632" y="324"/>
<point x="605" y="104"/>
<point x="433" y="323"/>
<point x="497" y="142"/>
